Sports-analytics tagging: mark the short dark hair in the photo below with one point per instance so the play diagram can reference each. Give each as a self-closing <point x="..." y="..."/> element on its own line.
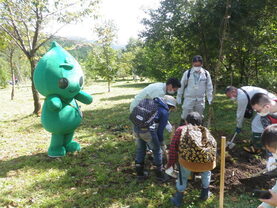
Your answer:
<point x="194" y="118"/>
<point x="229" y="89"/>
<point x="174" y="82"/>
<point x="260" y="99"/>
<point x="269" y="136"/>
<point x="197" y="58"/>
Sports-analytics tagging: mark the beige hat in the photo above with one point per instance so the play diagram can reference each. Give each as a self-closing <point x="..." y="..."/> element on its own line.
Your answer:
<point x="170" y="100"/>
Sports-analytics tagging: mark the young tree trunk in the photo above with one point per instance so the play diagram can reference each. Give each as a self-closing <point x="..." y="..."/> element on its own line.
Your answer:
<point x="12" y="72"/>
<point x="109" y="85"/>
<point x="13" y="83"/>
<point x="256" y="70"/>
<point x="37" y="105"/>
<point x="232" y="73"/>
<point x="221" y="41"/>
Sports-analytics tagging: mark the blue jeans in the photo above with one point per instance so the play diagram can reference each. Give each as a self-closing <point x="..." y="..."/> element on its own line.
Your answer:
<point x="148" y="137"/>
<point x="181" y="185"/>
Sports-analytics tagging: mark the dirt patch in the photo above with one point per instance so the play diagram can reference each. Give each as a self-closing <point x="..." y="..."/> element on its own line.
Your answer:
<point x="241" y="171"/>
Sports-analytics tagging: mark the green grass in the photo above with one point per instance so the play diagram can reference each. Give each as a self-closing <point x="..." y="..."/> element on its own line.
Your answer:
<point x="101" y="175"/>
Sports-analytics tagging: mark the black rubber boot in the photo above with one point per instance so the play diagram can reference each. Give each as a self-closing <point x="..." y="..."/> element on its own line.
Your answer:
<point x="141" y="174"/>
<point x="205" y="194"/>
<point x="161" y="175"/>
<point x="177" y="199"/>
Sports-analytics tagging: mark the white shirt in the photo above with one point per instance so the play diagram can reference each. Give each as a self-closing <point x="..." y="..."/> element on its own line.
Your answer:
<point x="243" y="101"/>
<point x="151" y="91"/>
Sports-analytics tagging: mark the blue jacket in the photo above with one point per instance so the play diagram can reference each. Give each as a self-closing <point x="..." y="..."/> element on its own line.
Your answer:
<point x="161" y="118"/>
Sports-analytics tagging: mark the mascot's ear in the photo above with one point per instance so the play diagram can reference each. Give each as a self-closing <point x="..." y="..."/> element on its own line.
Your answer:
<point x="54" y="44"/>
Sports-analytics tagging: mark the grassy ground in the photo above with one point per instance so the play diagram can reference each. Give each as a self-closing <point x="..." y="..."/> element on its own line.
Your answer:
<point x="101" y="175"/>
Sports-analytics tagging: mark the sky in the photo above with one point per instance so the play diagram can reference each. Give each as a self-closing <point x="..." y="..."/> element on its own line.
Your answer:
<point x="126" y="14"/>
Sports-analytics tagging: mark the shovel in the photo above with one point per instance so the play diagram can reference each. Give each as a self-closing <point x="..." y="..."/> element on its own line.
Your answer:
<point x="231" y="143"/>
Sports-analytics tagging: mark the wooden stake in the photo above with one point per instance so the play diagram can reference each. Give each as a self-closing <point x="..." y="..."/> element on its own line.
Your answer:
<point x="222" y="171"/>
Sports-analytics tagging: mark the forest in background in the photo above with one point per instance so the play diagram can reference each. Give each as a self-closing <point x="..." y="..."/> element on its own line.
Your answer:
<point x="237" y="40"/>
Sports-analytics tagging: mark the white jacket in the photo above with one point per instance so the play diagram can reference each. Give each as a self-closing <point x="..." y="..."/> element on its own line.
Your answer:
<point x="151" y="91"/>
<point x="243" y="101"/>
<point x="194" y="89"/>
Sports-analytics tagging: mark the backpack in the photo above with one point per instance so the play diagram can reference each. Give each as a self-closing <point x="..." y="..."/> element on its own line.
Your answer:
<point x="197" y="149"/>
<point x="188" y="76"/>
<point x="249" y="110"/>
<point x="143" y="115"/>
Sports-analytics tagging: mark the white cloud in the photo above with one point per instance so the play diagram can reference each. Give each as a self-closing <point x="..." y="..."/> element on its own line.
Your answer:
<point x="126" y="14"/>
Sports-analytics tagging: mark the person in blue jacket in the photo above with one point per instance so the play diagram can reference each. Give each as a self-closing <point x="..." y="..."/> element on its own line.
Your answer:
<point x="153" y="136"/>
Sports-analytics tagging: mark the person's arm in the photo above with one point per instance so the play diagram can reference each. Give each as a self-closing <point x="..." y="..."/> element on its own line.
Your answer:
<point x="180" y="91"/>
<point x="163" y="118"/>
<point x="209" y="88"/>
<point x="272" y="201"/>
<point x="242" y="104"/>
<point x="173" y="148"/>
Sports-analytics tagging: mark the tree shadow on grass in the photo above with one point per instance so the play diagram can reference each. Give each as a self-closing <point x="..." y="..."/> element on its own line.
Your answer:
<point x="133" y="85"/>
<point x="116" y="98"/>
<point x="101" y="175"/>
<point x="19" y="118"/>
<point x="97" y="93"/>
<point x="107" y="118"/>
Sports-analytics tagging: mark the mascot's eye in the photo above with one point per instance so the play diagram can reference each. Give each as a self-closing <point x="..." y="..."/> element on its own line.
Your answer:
<point x="81" y="81"/>
<point x="63" y="83"/>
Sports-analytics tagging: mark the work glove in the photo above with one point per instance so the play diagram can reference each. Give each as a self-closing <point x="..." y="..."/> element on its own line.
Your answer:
<point x="170" y="171"/>
<point x="179" y="100"/>
<point x="168" y="127"/>
<point x="271" y="164"/>
<point x="210" y="102"/>
<point x="238" y="130"/>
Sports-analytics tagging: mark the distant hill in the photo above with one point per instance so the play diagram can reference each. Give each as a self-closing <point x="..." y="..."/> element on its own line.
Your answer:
<point x="79" y="47"/>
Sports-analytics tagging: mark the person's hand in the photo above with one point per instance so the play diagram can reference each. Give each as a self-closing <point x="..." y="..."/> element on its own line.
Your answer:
<point x="179" y="100"/>
<point x="168" y="127"/>
<point x="271" y="164"/>
<point x="272" y="201"/>
<point x="210" y="102"/>
<point x="238" y="130"/>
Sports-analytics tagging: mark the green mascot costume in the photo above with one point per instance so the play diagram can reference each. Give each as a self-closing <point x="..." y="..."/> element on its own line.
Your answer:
<point x="59" y="77"/>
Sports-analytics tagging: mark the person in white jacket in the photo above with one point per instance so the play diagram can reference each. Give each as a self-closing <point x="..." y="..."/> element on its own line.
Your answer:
<point x="157" y="89"/>
<point x="263" y="104"/>
<point x="196" y="83"/>
<point x="243" y="96"/>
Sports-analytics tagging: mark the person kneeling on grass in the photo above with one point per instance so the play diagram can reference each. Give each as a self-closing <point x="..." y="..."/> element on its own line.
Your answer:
<point x="195" y="148"/>
<point x="150" y="118"/>
<point x="269" y="140"/>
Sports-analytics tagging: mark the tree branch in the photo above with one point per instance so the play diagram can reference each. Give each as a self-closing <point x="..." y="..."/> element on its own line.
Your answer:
<point x="19" y="38"/>
<point x="47" y="39"/>
<point x="67" y="6"/>
<point x="15" y="40"/>
<point x="35" y="38"/>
